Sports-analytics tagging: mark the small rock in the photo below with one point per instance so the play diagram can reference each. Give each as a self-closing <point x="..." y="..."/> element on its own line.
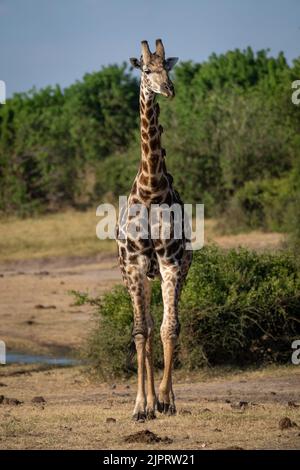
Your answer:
<point x="240" y="405"/>
<point x="147" y="437"/>
<point x="185" y="412"/>
<point x="113" y="386"/>
<point x="13" y="401"/>
<point x="38" y="400"/>
<point x="2" y="384"/>
<point x="111" y="420"/>
<point x="67" y="428"/>
<point x="121" y="394"/>
<point x="45" y="307"/>
<point x="286" y="423"/>
<point x="9" y="401"/>
<point x="292" y="404"/>
<point x="206" y="410"/>
<point x="234" y="448"/>
<point x="273" y="393"/>
<point x="217" y="430"/>
<point x="243" y="403"/>
<point x="227" y="401"/>
<point x="127" y="386"/>
<point x="30" y="322"/>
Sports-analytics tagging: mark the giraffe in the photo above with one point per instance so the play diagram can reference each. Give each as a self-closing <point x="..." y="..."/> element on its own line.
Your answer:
<point x="142" y="259"/>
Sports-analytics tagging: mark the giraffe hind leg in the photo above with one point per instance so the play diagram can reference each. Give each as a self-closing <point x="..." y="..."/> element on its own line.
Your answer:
<point x="171" y="283"/>
<point x="139" y="289"/>
<point x="151" y="396"/>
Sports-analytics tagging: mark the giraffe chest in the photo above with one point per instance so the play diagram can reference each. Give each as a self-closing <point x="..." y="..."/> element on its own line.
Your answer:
<point x="149" y="236"/>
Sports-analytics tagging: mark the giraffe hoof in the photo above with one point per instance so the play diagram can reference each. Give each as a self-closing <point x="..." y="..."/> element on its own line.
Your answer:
<point x="151" y="414"/>
<point x="172" y="410"/>
<point x="160" y="406"/>
<point x="163" y="407"/>
<point x="139" y="417"/>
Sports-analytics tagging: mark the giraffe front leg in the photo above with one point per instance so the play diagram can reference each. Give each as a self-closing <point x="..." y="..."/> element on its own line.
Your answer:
<point x="139" y="412"/>
<point x="137" y="292"/>
<point x="151" y="396"/>
<point x="169" y="335"/>
<point x="166" y="397"/>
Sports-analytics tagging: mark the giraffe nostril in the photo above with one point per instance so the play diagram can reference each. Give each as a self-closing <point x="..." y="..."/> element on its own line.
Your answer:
<point x="168" y="89"/>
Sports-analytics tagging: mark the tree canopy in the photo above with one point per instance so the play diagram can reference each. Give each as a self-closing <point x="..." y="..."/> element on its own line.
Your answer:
<point x="232" y="122"/>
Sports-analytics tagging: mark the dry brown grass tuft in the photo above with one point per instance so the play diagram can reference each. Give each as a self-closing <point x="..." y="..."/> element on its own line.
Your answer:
<point x="77" y="412"/>
<point x="73" y="233"/>
<point x="69" y="233"/>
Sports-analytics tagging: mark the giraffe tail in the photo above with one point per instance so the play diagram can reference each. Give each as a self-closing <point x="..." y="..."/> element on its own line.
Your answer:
<point x="131" y="354"/>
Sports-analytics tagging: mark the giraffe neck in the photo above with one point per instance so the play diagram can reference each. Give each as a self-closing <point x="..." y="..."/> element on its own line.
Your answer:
<point x="152" y="177"/>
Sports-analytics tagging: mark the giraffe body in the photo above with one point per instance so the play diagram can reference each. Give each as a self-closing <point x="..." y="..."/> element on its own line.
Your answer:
<point x="144" y="258"/>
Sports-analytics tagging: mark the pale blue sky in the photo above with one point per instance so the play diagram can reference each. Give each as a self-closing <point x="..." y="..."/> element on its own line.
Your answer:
<point x="44" y="42"/>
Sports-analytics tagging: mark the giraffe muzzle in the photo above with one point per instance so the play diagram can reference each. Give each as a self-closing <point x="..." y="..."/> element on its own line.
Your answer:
<point x="168" y="90"/>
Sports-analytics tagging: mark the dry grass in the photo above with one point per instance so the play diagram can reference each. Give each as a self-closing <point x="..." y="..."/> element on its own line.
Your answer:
<point x="63" y="234"/>
<point x="76" y="410"/>
<point x="72" y="233"/>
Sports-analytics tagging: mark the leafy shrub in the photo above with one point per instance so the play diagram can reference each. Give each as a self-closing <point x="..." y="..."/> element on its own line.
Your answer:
<point x="115" y="174"/>
<point x="293" y="218"/>
<point x="231" y="122"/>
<point x="237" y="307"/>
<point x="240" y="307"/>
<point x="264" y="204"/>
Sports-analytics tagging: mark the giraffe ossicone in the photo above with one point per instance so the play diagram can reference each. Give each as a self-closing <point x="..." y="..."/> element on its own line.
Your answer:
<point x="144" y="258"/>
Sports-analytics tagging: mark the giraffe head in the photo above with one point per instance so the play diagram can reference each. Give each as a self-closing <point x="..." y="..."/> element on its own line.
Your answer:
<point x="155" y="69"/>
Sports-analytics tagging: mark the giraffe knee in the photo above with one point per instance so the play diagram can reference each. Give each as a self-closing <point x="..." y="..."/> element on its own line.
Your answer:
<point x="170" y="330"/>
<point x="139" y="331"/>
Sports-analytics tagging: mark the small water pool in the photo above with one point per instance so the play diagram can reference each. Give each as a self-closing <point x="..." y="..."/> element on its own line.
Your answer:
<point x="20" y="358"/>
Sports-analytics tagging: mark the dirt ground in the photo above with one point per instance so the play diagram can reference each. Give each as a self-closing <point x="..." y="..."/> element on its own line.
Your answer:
<point x="216" y="409"/>
<point x="37" y="311"/>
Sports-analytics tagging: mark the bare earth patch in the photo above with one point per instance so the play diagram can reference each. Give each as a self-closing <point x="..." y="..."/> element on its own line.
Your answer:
<point x="78" y="413"/>
<point x="61" y="408"/>
<point x="37" y="311"/>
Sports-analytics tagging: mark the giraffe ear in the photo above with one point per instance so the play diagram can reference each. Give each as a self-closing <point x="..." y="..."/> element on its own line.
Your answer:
<point x="135" y="63"/>
<point x="170" y="62"/>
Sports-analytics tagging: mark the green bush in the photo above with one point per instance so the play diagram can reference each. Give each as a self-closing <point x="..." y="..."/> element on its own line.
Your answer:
<point x="232" y="122"/>
<point x="237" y="307"/>
<point x="264" y="204"/>
<point x="115" y="174"/>
<point x="240" y="307"/>
<point x="293" y="218"/>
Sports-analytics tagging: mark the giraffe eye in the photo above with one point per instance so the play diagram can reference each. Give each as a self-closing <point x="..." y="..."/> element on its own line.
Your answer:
<point x="147" y="71"/>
